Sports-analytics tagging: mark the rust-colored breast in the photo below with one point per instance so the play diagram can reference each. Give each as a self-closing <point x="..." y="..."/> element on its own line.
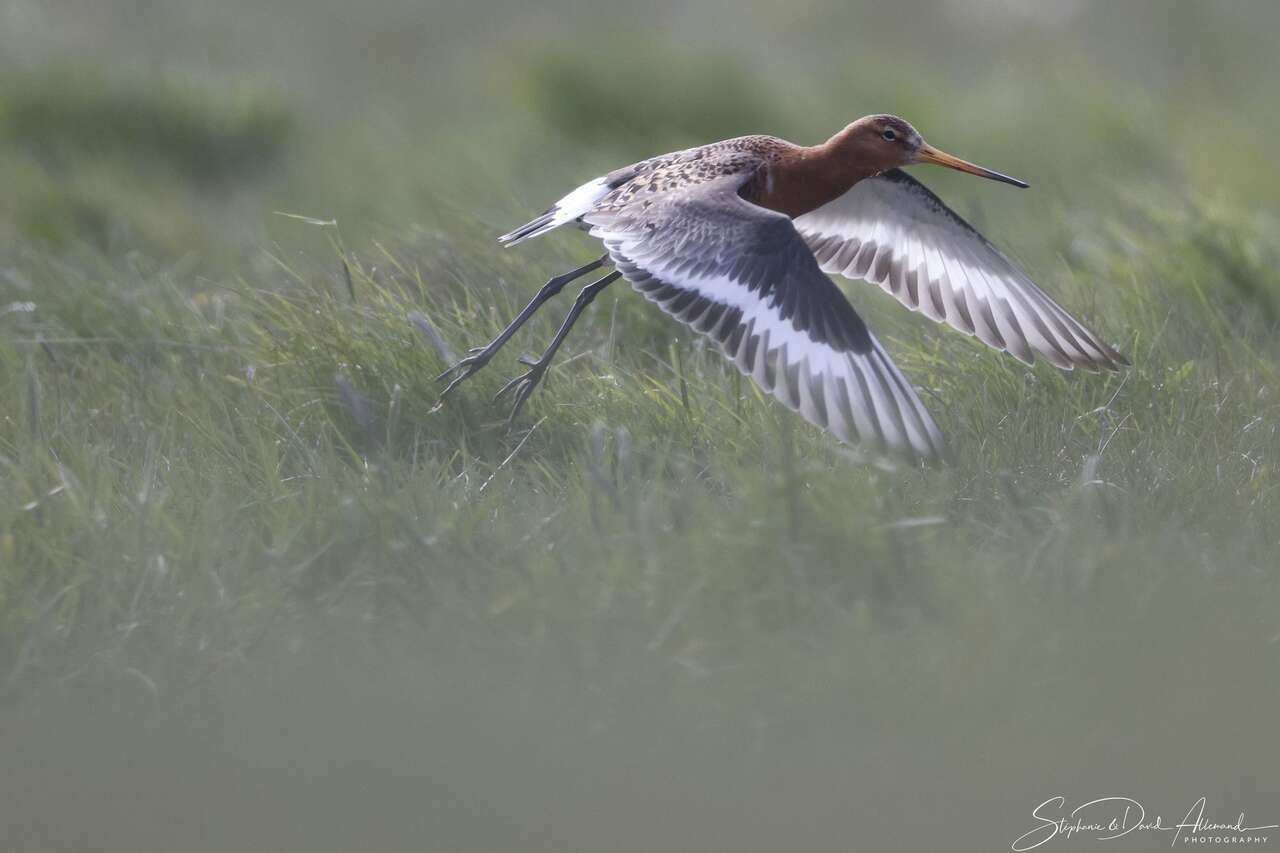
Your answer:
<point x="802" y="180"/>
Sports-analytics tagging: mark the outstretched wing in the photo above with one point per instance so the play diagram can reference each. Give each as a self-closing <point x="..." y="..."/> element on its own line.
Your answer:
<point x="892" y="231"/>
<point x="741" y="275"/>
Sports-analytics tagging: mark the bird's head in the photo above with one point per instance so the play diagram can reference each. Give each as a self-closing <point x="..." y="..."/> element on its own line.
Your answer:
<point x="886" y="142"/>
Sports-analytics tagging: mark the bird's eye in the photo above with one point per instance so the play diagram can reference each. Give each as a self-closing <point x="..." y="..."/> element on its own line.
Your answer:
<point x="889" y="136"/>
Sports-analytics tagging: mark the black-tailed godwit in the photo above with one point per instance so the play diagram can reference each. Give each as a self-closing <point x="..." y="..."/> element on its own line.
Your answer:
<point x="734" y="240"/>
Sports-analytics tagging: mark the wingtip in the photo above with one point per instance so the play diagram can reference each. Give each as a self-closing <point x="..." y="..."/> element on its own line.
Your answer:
<point x="932" y="455"/>
<point x="923" y="444"/>
<point x="1110" y="361"/>
<point x="933" y="459"/>
<point x="939" y="455"/>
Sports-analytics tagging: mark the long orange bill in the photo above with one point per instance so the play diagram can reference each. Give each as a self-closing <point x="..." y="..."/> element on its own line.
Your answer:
<point x="928" y="154"/>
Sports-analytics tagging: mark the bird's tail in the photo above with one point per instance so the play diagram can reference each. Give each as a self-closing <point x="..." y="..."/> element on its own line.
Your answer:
<point x="533" y="228"/>
<point x="566" y="210"/>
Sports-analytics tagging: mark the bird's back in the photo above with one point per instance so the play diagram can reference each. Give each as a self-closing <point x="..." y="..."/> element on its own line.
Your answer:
<point x="664" y="173"/>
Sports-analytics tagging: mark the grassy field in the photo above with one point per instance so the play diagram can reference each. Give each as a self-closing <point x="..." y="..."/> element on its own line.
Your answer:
<point x="258" y="592"/>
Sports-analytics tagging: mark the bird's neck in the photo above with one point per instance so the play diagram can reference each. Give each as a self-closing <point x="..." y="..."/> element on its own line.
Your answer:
<point x="804" y="178"/>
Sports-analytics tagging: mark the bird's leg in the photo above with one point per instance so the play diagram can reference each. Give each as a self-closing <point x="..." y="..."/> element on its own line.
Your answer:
<point x="524" y="384"/>
<point x="480" y="356"/>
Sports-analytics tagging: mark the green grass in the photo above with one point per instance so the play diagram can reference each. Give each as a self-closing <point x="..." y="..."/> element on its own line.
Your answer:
<point x="228" y="496"/>
<point x="239" y="449"/>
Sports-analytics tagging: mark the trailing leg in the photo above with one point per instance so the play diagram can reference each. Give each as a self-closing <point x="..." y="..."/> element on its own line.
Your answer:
<point x="524" y="384"/>
<point x="480" y="356"/>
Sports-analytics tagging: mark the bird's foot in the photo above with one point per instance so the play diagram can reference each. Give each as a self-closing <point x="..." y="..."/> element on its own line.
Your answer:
<point x="466" y="368"/>
<point x="522" y="386"/>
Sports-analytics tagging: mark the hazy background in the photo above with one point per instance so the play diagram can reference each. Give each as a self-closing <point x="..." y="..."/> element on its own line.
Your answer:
<point x="255" y="594"/>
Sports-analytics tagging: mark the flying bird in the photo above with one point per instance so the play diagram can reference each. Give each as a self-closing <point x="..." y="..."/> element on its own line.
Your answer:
<point x="735" y="238"/>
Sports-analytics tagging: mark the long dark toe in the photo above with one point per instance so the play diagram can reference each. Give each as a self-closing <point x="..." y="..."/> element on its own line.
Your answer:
<point x="511" y="383"/>
<point x="454" y="384"/>
<point x="466" y="367"/>
<point x="521" y="396"/>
